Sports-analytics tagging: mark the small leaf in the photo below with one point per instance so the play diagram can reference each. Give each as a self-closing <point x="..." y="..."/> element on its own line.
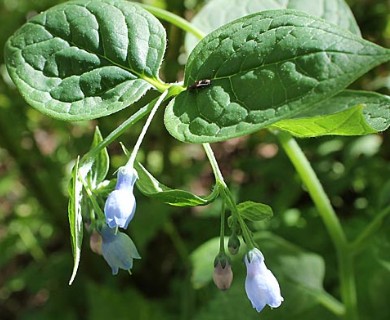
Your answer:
<point x="264" y="68"/>
<point x="75" y="217"/>
<point x="100" y="164"/>
<point x="348" y="113"/>
<point x="219" y="12"/>
<point x="254" y="211"/>
<point x="86" y="59"/>
<point x="151" y="187"/>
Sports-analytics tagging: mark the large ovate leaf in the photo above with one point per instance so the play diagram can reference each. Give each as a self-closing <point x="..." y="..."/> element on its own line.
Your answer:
<point x="348" y="113"/>
<point x="219" y="12"/>
<point x="86" y="59"/>
<point x="75" y="217"/>
<point x="264" y="68"/>
<point x="151" y="187"/>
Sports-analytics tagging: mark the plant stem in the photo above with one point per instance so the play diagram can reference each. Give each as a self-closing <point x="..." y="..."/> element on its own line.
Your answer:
<point x="175" y="20"/>
<point x="222" y="231"/>
<point x="330" y="219"/>
<point x="89" y="156"/>
<point x="227" y="195"/>
<point x="130" y="162"/>
<point x="332" y="304"/>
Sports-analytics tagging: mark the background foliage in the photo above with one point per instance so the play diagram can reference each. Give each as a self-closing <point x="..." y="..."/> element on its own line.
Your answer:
<point x="37" y="153"/>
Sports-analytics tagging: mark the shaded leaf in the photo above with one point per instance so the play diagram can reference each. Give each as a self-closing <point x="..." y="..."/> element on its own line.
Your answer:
<point x="348" y="113"/>
<point x="345" y="123"/>
<point x="219" y="12"/>
<point x="86" y="59"/>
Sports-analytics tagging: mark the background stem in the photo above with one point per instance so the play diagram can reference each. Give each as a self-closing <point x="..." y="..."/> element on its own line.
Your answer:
<point x="330" y="219"/>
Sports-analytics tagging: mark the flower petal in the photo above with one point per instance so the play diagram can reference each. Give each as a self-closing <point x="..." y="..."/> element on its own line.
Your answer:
<point x="118" y="250"/>
<point x="261" y="285"/>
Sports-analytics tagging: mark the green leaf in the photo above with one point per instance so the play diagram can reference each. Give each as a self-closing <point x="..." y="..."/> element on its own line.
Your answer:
<point x="151" y="187"/>
<point x="100" y="164"/>
<point x="254" y="211"/>
<point x="264" y="68"/>
<point x="219" y="12"/>
<point x="345" y="123"/>
<point x="86" y="59"/>
<point x="75" y="217"/>
<point x="348" y="113"/>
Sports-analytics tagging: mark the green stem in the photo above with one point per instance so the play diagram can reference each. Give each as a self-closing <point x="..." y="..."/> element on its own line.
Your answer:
<point x="227" y="196"/>
<point x="222" y="231"/>
<point x="130" y="162"/>
<point x="330" y="219"/>
<point x="369" y="231"/>
<point x="332" y="304"/>
<point x="175" y="20"/>
<point x="90" y="155"/>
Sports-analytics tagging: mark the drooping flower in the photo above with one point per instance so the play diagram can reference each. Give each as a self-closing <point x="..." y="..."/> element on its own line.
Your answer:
<point x="120" y="205"/>
<point x="261" y="285"/>
<point x="118" y="250"/>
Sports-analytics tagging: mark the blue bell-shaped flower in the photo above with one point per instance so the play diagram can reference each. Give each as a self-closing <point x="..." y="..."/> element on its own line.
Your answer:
<point x="118" y="250"/>
<point x="120" y="205"/>
<point x="261" y="285"/>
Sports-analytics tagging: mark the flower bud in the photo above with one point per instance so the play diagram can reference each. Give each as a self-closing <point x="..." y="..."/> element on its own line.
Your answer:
<point x="223" y="274"/>
<point x="95" y="242"/>
<point x="233" y="244"/>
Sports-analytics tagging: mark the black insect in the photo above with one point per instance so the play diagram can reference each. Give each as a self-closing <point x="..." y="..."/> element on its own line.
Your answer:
<point x="200" y="84"/>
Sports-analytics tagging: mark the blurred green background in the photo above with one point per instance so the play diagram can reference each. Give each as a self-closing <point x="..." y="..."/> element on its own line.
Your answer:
<point x="37" y="154"/>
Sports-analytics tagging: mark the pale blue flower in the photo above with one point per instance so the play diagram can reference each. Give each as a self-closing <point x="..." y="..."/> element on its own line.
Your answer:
<point x="120" y="204"/>
<point x="118" y="250"/>
<point x="261" y="285"/>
